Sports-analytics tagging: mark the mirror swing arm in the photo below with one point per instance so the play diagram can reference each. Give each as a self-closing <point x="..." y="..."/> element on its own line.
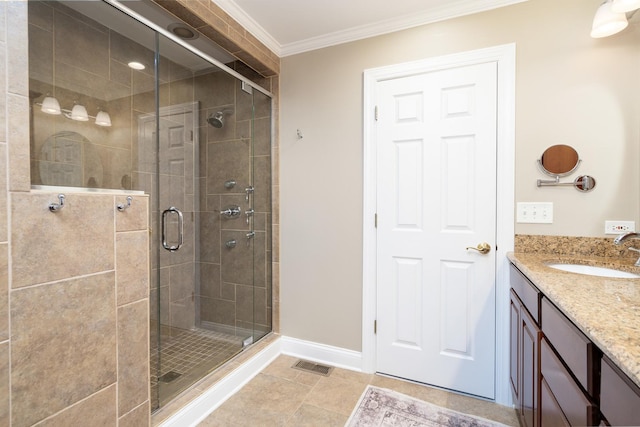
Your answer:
<point x="581" y="183"/>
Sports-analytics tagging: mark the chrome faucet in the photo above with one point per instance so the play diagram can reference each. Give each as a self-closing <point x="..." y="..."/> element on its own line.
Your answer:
<point x="628" y="236"/>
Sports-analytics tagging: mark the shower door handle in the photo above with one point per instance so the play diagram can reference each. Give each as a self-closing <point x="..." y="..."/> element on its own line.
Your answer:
<point x="172" y="210"/>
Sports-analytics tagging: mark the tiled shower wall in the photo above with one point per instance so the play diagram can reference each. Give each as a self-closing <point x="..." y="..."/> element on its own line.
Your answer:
<point x="73" y="284"/>
<point x="235" y="282"/>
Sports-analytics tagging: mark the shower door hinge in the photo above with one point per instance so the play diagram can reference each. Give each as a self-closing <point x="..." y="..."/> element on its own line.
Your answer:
<point x="375" y="326"/>
<point x="191" y="132"/>
<point x="375" y="220"/>
<point x="246" y="87"/>
<point x="375" y="113"/>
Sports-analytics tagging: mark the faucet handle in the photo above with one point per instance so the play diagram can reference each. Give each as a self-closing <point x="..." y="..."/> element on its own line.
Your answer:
<point x="634" y="249"/>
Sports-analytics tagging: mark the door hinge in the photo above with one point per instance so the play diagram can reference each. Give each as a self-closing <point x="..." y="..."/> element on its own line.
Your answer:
<point x="375" y="220"/>
<point x="375" y="113"/>
<point x="375" y="326"/>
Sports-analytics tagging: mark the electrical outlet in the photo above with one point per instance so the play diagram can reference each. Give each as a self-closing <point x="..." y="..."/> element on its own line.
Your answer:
<point x="535" y="213"/>
<point x="619" y="227"/>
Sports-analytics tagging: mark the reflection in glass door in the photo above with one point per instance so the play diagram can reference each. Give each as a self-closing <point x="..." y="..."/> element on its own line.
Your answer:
<point x="211" y="210"/>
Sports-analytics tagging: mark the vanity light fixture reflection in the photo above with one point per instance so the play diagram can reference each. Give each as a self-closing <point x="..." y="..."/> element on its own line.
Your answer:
<point x="612" y="17"/>
<point x="50" y="105"/>
<point x="78" y="113"/>
<point x="103" y="118"/>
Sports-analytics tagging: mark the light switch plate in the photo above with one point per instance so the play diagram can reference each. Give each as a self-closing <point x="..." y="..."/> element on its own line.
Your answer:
<point x="534" y="212"/>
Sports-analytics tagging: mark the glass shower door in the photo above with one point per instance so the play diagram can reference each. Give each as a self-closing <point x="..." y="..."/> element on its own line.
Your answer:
<point x="204" y="220"/>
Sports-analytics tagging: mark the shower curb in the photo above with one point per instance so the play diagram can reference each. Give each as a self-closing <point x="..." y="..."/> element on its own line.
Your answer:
<point x="199" y="408"/>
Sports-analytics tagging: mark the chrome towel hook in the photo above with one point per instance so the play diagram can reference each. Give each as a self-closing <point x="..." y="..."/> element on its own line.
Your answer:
<point x="55" y="207"/>
<point x="122" y="207"/>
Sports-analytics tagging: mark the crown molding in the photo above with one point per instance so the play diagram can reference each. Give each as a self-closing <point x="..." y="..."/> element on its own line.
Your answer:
<point x="249" y="24"/>
<point x="441" y="13"/>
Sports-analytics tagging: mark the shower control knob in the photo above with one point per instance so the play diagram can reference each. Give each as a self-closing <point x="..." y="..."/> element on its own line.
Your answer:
<point x="231" y="212"/>
<point x="249" y="213"/>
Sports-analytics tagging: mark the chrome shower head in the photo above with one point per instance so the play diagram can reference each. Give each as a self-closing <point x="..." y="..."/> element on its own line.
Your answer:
<point x="216" y="119"/>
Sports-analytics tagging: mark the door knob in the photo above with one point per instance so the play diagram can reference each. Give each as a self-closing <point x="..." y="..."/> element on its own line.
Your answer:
<point x="483" y="248"/>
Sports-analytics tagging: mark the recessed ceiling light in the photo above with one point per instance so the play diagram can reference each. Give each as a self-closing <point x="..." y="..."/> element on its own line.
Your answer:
<point x="183" y="31"/>
<point x="136" y="65"/>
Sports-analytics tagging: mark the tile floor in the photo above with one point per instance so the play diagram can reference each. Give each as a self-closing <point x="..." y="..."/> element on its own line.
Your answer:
<point x="191" y="354"/>
<point x="283" y="396"/>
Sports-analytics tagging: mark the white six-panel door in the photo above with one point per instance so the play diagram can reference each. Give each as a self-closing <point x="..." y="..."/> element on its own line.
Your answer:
<point x="436" y="197"/>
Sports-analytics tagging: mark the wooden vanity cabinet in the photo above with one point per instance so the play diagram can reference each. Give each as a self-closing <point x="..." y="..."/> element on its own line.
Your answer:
<point x="558" y="376"/>
<point x="569" y="370"/>
<point x="525" y="351"/>
<point x="619" y="396"/>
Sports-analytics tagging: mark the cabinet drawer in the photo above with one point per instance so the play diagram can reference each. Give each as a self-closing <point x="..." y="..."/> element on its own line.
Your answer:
<point x="528" y="294"/>
<point x="577" y="351"/>
<point x="552" y="414"/>
<point x="575" y="406"/>
<point x="619" y="398"/>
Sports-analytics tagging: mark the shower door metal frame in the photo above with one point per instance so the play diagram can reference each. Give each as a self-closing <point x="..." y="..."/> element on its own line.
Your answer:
<point x="187" y="46"/>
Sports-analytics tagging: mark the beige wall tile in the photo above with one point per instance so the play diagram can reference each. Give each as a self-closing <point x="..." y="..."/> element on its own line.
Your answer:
<point x="51" y="246"/>
<point x="133" y="355"/>
<point x="3" y="22"/>
<point x="4" y="237"/>
<point x="63" y="345"/>
<point x="4" y="384"/>
<point x="17" y="49"/>
<point x="3" y="88"/>
<point x="41" y="15"/>
<point x="72" y="36"/>
<point x="99" y="408"/>
<point x="4" y="291"/>
<point x="139" y="417"/>
<point x="136" y="216"/>
<point x="18" y="139"/>
<point x="132" y="266"/>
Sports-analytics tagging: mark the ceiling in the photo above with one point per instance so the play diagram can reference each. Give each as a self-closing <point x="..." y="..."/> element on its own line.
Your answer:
<point x="288" y="27"/>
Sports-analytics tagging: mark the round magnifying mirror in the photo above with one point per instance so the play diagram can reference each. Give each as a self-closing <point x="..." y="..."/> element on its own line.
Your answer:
<point x="559" y="160"/>
<point x="584" y="183"/>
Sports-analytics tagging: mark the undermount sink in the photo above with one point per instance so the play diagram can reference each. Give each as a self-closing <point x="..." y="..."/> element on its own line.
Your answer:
<point x="591" y="270"/>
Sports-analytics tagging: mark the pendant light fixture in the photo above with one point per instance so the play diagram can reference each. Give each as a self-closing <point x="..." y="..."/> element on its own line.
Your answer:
<point x="624" y="6"/>
<point x="612" y="17"/>
<point x="606" y="22"/>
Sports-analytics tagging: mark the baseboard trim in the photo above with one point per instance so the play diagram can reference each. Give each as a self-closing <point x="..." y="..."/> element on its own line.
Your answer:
<point x="199" y="408"/>
<point x="322" y="353"/>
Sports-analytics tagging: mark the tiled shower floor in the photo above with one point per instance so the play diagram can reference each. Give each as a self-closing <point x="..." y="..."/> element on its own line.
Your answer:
<point x="191" y="354"/>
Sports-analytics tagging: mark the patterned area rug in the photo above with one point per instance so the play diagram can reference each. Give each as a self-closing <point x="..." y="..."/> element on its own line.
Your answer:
<point x="379" y="407"/>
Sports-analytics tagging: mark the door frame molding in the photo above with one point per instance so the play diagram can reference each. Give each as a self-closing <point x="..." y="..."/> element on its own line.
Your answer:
<point x="505" y="57"/>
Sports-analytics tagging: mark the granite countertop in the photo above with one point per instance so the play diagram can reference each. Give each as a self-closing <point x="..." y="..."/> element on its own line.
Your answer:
<point x="606" y="310"/>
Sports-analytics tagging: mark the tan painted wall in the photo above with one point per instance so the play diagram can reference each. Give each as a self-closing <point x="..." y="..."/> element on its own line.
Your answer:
<point x="570" y="89"/>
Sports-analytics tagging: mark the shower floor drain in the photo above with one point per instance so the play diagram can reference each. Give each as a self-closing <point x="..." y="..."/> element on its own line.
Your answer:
<point x="169" y="376"/>
<point x="315" y="368"/>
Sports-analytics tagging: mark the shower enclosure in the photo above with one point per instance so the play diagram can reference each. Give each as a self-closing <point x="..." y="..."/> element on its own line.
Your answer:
<point x="164" y="119"/>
